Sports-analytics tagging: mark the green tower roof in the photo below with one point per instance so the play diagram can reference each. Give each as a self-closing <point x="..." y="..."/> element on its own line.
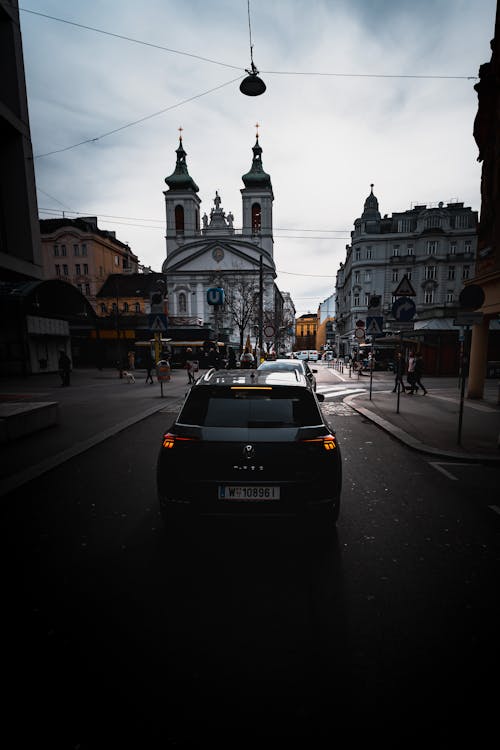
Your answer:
<point x="256" y="177"/>
<point x="180" y="179"/>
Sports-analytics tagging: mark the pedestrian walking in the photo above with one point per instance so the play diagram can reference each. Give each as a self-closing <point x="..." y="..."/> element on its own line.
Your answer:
<point x="149" y="370"/>
<point x="412" y="387"/>
<point x="64" y="365"/>
<point x="419" y="370"/>
<point x="246" y="359"/>
<point x="231" y="358"/>
<point x="399" y="371"/>
<point x="191" y="365"/>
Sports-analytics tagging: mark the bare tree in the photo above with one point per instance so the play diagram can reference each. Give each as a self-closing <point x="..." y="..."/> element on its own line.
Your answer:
<point x="241" y="302"/>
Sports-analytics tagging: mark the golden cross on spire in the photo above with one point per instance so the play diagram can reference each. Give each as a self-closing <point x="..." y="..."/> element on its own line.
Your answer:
<point x="180" y="129"/>
<point x="257" y="126"/>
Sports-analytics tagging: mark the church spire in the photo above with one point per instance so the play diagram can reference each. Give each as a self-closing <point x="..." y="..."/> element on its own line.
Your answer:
<point x="180" y="179"/>
<point x="256" y="177"/>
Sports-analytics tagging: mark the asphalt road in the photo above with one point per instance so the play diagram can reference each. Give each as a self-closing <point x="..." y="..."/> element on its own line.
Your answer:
<point x="119" y="636"/>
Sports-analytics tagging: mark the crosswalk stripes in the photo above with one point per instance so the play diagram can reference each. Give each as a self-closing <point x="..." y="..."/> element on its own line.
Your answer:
<point x="334" y="392"/>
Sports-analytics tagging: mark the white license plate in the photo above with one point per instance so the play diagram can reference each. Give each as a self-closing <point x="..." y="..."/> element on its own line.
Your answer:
<point x="248" y="493"/>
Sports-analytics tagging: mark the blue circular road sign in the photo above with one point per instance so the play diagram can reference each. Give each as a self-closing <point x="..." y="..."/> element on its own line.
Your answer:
<point x="404" y="309"/>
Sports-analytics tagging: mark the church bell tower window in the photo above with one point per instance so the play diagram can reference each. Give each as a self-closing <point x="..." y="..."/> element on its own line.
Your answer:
<point x="256" y="217"/>
<point x="179" y="220"/>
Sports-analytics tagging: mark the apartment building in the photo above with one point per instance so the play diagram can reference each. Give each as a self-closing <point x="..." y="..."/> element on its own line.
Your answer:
<point x="434" y="246"/>
<point x="77" y="251"/>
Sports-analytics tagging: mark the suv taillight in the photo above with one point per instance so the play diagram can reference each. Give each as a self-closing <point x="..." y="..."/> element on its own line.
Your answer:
<point x="169" y="440"/>
<point x="329" y="442"/>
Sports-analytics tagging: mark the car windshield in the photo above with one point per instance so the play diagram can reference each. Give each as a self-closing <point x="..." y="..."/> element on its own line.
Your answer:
<point x="250" y="407"/>
<point x="276" y="366"/>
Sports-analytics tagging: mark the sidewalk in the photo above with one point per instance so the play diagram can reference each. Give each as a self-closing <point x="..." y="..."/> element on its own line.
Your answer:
<point x="97" y="405"/>
<point x="430" y="423"/>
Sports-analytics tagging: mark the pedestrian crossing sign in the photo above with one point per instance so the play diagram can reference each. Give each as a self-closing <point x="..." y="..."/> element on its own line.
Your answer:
<point x="404" y="288"/>
<point x="157" y="322"/>
<point x="374" y="325"/>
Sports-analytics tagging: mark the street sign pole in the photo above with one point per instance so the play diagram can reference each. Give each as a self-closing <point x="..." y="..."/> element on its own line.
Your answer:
<point x="463" y="363"/>
<point x="398" y="387"/>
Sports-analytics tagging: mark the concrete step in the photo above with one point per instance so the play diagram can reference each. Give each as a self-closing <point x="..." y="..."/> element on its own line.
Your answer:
<point x="19" y="419"/>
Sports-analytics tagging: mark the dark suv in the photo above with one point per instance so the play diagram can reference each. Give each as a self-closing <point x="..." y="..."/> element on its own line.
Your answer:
<point x="249" y="442"/>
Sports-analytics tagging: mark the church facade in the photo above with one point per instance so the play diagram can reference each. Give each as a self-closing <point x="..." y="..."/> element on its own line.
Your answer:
<point x="208" y="253"/>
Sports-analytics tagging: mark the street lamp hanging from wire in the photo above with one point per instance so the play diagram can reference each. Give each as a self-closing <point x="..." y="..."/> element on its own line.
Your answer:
<point x="252" y="85"/>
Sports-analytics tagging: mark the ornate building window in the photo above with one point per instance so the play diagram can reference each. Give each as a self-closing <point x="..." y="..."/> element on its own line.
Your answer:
<point x="182" y="302"/>
<point x="256" y="217"/>
<point x="179" y="220"/>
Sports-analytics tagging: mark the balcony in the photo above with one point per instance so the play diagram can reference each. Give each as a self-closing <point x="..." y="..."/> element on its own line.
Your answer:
<point x="402" y="260"/>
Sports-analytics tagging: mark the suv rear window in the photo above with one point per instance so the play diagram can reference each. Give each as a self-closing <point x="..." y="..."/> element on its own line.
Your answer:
<point x="250" y="407"/>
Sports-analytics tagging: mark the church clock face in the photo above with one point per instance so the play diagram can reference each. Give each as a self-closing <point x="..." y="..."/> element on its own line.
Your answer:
<point x="217" y="254"/>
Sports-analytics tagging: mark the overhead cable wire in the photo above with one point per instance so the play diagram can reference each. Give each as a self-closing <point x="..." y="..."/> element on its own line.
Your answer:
<point x="238" y="67"/>
<point x="136" y="122"/>
<point x="131" y="39"/>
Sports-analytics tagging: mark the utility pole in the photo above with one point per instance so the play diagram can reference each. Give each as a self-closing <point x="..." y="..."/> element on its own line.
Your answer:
<point x="261" y="307"/>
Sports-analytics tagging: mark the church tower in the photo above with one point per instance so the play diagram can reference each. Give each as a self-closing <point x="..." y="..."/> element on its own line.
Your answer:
<point x="258" y="199"/>
<point x="182" y="204"/>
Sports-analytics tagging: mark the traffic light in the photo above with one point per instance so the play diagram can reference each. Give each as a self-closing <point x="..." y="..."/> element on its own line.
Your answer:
<point x="374" y="301"/>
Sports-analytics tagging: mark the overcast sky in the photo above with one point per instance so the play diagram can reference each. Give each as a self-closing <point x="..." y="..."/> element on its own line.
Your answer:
<point x="325" y="138"/>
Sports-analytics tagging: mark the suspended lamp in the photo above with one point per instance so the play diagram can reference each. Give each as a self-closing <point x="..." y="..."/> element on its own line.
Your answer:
<point x="252" y="85"/>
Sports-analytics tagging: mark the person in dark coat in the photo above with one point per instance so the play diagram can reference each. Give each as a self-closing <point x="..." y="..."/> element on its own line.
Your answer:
<point x="418" y="372"/>
<point x="64" y="365"/>
<point x="231" y="358"/>
<point x="149" y="369"/>
<point x="399" y="371"/>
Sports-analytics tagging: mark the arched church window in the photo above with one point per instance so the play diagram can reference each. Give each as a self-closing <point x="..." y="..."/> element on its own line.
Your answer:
<point x="256" y="217"/>
<point x="179" y="219"/>
<point x="182" y="303"/>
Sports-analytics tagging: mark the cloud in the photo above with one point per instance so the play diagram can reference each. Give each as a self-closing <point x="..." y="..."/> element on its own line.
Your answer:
<point x="325" y="138"/>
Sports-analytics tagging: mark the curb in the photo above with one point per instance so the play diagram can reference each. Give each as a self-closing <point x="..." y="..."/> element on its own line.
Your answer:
<point x="412" y="442"/>
<point x="15" y="481"/>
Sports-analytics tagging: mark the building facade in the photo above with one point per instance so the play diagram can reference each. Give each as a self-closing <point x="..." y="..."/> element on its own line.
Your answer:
<point x="434" y="247"/>
<point x="20" y="256"/>
<point x="306" y="327"/>
<point x="325" y="336"/>
<point x="203" y="257"/>
<point x="485" y="344"/>
<point x="77" y="251"/>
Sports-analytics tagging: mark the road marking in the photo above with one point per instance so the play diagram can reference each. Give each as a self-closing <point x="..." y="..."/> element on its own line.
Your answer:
<point x="439" y="466"/>
<point x="342" y="392"/>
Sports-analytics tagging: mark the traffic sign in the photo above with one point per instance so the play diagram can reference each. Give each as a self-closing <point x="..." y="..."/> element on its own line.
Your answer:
<point x="215" y="296"/>
<point x="360" y="323"/>
<point x="468" y="319"/>
<point x="404" y="309"/>
<point x="405" y="288"/>
<point x="157" y="322"/>
<point x="471" y="297"/>
<point x="268" y="331"/>
<point x="359" y="333"/>
<point x="374" y="325"/>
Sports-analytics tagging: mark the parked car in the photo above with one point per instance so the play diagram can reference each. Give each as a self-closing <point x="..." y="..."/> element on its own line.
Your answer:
<point x="312" y="355"/>
<point x="288" y="365"/>
<point x="250" y="443"/>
